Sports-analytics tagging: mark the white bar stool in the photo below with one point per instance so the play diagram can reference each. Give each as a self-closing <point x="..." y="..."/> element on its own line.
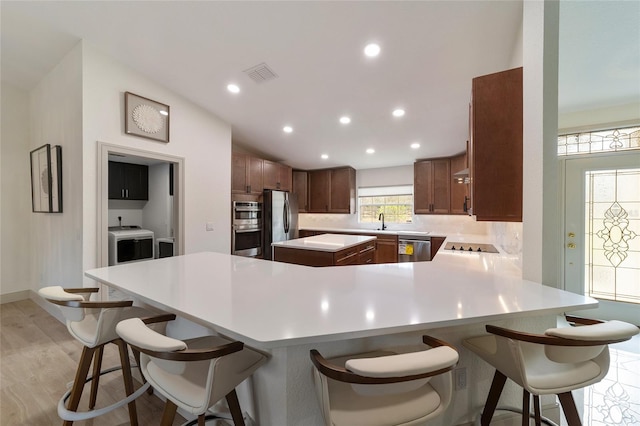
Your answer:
<point x="192" y="374"/>
<point x="385" y="388"/>
<point x="556" y="362"/>
<point x="93" y="324"/>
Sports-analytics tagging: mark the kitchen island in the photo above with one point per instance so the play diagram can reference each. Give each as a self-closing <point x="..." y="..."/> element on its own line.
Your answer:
<point x="286" y="310"/>
<point x="326" y="250"/>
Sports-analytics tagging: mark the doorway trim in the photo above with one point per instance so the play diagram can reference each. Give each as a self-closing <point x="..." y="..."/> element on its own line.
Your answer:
<point x="102" y="239"/>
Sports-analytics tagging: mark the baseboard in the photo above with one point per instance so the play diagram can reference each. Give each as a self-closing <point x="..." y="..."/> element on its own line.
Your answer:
<point x="507" y="418"/>
<point x="16" y="296"/>
<point x="51" y="309"/>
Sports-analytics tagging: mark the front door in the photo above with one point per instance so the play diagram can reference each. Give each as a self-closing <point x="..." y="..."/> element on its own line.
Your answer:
<point x="602" y="233"/>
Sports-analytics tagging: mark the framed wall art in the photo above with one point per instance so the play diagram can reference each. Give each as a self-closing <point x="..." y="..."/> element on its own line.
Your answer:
<point x="146" y="118"/>
<point x="46" y="179"/>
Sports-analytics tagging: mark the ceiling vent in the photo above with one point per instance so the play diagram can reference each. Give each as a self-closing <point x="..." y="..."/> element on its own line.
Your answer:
<point x="261" y="73"/>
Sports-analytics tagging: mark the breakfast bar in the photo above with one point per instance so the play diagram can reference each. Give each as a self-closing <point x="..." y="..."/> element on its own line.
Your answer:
<point x="286" y="310"/>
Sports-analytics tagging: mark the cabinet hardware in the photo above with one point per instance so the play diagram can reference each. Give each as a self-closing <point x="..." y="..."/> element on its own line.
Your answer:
<point x="127" y="192"/>
<point x="122" y="192"/>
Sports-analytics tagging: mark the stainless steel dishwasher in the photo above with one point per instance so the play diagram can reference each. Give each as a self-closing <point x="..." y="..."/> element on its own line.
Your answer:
<point x="414" y="247"/>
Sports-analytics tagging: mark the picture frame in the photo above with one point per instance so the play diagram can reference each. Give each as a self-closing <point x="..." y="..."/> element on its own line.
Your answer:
<point x="146" y="118"/>
<point x="41" y="179"/>
<point x="56" y="179"/>
<point x="46" y="179"/>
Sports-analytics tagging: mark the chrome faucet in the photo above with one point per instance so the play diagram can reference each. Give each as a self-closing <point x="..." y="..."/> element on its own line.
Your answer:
<point x="381" y="217"/>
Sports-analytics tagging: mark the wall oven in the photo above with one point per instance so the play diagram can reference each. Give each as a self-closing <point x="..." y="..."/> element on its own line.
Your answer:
<point x="246" y="239"/>
<point x="129" y="244"/>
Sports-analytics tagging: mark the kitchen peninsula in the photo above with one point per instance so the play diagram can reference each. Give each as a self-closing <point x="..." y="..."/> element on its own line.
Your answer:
<point x="286" y="310"/>
<point x="326" y="250"/>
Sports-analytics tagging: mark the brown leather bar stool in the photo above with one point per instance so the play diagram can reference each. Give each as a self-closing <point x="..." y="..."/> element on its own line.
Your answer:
<point x="385" y="388"/>
<point x="93" y="324"/>
<point x="556" y="362"/>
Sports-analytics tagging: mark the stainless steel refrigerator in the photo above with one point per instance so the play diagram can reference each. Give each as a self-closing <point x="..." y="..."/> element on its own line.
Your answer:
<point x="280" y="218"/>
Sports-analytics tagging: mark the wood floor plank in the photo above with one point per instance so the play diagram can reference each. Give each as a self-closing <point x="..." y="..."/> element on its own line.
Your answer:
<point x="38" y="359"/>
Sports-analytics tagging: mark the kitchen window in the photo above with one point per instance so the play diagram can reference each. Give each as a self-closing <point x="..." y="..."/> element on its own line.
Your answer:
<point x="396" y="202"/>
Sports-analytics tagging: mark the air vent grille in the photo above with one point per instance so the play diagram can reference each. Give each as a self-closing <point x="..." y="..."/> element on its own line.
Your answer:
<point x="261" y="73"/>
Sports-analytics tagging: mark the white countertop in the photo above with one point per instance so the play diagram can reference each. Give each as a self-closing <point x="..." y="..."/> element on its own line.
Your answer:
<point x="273" y="304"/>
<point x="325" y="242"/>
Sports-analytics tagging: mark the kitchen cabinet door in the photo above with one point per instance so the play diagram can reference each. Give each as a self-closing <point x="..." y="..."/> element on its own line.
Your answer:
<point x="386" y="248"/>
<point x="496" y="146"/>
<point x="270" y="175"/>
<point x="246" y="174"/>
<point x="285" y="178"/>
<point x="459" y="191"/>
<point x="300" y="190"/>
<point x="128" y="181"/>
<point x="432" y="186"/>
<point x="342" y="190"/>
<point x="319" y="190"/>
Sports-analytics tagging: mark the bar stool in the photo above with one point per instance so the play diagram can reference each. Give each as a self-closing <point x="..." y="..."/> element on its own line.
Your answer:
<point x="556" y="362"/>
<point x="93" y="324"/>
<point x="192" y="374"/>
<point x="385" y="388"/>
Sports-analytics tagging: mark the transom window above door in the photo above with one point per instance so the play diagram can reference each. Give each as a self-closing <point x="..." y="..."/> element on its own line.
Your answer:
<point x="610" y="140"/>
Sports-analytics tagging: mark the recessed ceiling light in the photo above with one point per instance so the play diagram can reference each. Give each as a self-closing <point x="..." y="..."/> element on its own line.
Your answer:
<point x="345" y="120"/>
<point x="372" y="50"/>
<point x="287" y="129"/>
<point x="324" y="156"/>
<point x="370" y="150"/>
<point x="415" y="145"/>
<point x="399" y="112"/>
<point x="233" y="88"/>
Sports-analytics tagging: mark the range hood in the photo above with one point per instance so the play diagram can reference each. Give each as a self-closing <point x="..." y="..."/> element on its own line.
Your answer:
<point x="462" y="176"/>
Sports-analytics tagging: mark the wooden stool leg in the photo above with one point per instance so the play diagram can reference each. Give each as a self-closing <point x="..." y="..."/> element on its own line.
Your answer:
<point x="499" y="380"/>
<point x="128" y="381"/>
<point x="569" y="408"/>
<point x="526" y="409"/>
<point x="234" y="407"/>
<point x="536" y="409"/>
<point x="136" y="356"/>
<point x="169" y="413"/>
<point x="78" y="383"/>
<point x="97" y="366"/>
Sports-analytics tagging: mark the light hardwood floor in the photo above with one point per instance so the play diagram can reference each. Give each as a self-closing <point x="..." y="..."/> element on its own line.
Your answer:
<point x="38" y="358"/>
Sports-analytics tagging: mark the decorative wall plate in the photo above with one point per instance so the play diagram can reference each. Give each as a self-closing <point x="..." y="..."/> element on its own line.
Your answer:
<point x="146" y="118"/>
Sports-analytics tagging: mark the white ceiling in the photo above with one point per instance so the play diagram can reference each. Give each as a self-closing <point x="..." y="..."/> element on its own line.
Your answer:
<point x="430" y="52"/>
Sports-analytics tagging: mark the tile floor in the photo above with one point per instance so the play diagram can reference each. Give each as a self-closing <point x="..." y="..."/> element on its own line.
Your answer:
<point x="616" y="399"/>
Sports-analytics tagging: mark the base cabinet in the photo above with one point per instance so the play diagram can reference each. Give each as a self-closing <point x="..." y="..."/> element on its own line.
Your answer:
<point x="386" y="248"/>
<point x="357" y="255"/>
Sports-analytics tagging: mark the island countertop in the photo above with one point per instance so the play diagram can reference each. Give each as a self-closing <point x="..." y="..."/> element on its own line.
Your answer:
<point x="325" y="242"/>
<point x="271" y="304"/>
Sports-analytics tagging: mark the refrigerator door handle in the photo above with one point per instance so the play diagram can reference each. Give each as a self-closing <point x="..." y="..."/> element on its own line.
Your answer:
<point x="285" y="216"/>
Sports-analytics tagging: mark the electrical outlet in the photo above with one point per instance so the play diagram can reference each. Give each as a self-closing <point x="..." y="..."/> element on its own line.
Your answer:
<point x="460" y="378"/>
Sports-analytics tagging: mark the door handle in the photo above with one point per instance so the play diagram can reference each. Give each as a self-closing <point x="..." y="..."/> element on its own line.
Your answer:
<point x="571" y="235"/>
<point x="571" y="245"/>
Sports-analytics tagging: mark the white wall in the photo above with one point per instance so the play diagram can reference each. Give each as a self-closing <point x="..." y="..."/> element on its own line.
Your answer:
<point x="541" y="239"/>
<point x="201" y="138"/>
<point x="156" y="215"/>
<point x="56" y="118"/>
<point x="601" y="118"/>
<point x="15" y="191"/>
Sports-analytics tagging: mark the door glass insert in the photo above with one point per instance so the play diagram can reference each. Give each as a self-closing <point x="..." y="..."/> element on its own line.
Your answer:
<point x="611" y="140"/>
<point x="612" y="234"/>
